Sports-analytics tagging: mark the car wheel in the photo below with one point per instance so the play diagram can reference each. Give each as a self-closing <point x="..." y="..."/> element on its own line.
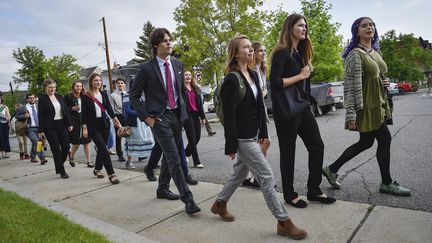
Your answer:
<point x="401" y="91"/>
<point x="326" y="109"/>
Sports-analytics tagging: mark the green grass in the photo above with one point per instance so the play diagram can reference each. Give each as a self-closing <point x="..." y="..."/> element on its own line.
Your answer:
<point x="21" y="220"/>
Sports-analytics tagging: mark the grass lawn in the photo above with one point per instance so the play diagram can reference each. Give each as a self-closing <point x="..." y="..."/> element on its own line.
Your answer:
<point x="21" y="220"/>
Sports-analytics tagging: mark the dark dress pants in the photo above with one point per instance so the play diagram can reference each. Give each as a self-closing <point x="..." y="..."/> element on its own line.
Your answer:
<point x="193" y="133"/>
<point x="156" y="154"/>
<point x="58" y="139"/>
<point x="4" y="137"/>
<point x="99" y="135"/>
<point x="306" y="127"/>
<point x="167" y="133"/>
<point x="118" y="141"/>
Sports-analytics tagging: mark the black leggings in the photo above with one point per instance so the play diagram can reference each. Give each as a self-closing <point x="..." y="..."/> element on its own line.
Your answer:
<point x="383" y="136"/>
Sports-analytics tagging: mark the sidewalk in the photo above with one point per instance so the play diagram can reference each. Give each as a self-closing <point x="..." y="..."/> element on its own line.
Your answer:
<point x="130" y="212"/>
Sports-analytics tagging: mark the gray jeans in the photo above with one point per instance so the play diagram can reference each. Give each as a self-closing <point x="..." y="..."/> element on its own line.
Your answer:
<point x="250" y="158"/>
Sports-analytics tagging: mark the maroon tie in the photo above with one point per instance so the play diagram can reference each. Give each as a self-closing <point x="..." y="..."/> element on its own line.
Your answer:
<point x="170" y="91"/>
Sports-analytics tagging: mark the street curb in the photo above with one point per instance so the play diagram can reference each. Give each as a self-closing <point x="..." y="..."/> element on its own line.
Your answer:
<point x="112" y="232"/>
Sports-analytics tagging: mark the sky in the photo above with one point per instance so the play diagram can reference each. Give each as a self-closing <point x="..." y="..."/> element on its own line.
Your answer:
<point x="74" y="27"/>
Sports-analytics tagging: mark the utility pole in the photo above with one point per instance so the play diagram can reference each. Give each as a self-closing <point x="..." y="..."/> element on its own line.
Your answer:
<point x="107" y="56"/>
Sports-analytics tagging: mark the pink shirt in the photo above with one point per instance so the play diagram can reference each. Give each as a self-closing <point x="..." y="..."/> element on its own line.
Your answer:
<point x="192" y="104"/>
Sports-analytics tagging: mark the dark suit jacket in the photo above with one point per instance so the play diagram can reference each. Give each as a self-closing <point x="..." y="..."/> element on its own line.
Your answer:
<point x="242" y="120"/>
<point x="149" y="80"/>
<point x="88" y="111"/>
<point x="46" y="112"/>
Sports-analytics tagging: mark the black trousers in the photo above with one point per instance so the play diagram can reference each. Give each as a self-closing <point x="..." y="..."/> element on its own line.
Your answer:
<point x="383" y="136"/>
<point x="58" y="139"/>
<point x="119" y="150"/>
<point x="156" y="154"/>
<point x="99" y="135"/>
<point x="192" y="128"/>
<point x="306" y="127"/>
<point x="167" y="133"/>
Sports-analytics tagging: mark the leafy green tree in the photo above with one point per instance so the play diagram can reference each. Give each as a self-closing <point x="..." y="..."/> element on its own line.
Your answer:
<point x="405" y="58"/>
<point x="204" y="29"/>
<point x="144" y="50"/>
<point x="35" y="68"/>
<point x="327" y="44"/>
<point x="273" y="31"/>
<point x="64" y="71"/>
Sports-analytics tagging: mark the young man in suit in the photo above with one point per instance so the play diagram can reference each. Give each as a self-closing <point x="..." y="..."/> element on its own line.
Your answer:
<point x="164" y="110"/>
<point x="32" y="128"/>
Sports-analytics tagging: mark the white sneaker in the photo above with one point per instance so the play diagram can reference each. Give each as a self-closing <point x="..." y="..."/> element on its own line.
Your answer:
<point x="130" y="165"/>
<point x="199" y="166"/>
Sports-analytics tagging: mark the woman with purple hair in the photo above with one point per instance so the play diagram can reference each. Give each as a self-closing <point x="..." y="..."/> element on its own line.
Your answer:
<point x="366" y="105"/>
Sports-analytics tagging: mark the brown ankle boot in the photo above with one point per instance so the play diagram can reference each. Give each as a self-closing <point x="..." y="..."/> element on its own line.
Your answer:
<point x="288" y="228"/>
<point x="22" y="156"/>
<point x="221" y="209"/>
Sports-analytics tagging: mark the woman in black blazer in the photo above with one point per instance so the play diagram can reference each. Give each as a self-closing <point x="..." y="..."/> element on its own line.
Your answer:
<point x="73" y="104"/>
<point x="54" y="123"/>
<point x="96" y="110"/>
<point x="196" y="118"/>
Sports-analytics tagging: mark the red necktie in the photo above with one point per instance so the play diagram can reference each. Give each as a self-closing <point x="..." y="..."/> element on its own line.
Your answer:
<point x="170" y="90"/>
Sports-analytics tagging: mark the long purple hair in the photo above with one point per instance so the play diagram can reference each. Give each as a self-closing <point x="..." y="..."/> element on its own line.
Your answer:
<point x="355" y="39"/>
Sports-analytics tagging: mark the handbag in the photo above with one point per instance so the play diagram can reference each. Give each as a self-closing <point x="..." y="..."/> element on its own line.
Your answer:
<point x="290" y="103"/>
<point x="124" y="132"/>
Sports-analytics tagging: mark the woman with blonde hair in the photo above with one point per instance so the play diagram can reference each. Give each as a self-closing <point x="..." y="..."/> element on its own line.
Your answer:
<point x="54" y="124"/>
<point x="245" y="129"/>
<point x="96" y="112"/>
<point x="73" y="103"/>
<point x="290" y="69"/>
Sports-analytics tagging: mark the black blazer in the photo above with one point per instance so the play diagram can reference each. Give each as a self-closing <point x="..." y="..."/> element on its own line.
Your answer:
<point x="149" y="81"/>
<point x="88" y="110"/>
<point x="199" y="102"/>
<point x="70" y="102"/>
<point x="46" y="112"/>
<point x="242" y="120"/>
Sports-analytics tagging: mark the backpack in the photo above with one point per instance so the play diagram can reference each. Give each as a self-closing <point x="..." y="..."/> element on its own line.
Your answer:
<point x="218" y="98"/>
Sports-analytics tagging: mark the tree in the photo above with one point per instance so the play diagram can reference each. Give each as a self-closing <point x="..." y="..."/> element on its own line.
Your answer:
<point x="144" y="49"/>
<point x="327" y="44"/>
<point x="204" y="29"/>
<point x="405" y="58"/>
<point x="36" y="68"/>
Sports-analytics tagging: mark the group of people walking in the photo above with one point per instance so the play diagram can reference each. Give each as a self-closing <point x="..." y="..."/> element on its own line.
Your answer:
<point x="166" y="98"/>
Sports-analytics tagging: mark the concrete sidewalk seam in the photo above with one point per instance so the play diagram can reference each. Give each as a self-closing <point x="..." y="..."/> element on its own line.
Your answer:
<point x="93" y="190"/>
<point x="163" y="220"/>
<point x="368" y="212"/>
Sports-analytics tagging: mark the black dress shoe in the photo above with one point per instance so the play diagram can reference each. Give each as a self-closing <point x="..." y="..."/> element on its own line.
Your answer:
<point x="191" y="181"/>
<point x="121" y="159"/>
<point x="249" y="183"/>
<point x="191" y="207"/>
<point x="64" y="175"/>
<point x="324" y="200"/>
<point x="166" y="194"/>
<point x="150" y="174"/>
<point x="299" y="204"/>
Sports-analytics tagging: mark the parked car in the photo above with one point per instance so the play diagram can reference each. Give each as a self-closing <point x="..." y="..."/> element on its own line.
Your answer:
<point x="338" y="93"/>
<point x="393" y="89"/>
<point x="404" y="87"/>
<point x="322" y="98"/>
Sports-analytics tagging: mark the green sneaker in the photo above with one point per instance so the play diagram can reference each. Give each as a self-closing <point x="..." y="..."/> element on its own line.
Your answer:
<point x="395" y="189"/>
<point x="331" y="177"/>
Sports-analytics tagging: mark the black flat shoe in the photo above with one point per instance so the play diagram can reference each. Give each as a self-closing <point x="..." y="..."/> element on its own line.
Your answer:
<point x="64" y="175"/>
<point x="299" y="204"/>
<point x="323" y="200"/>
<point x="90" y="165"/>
<point x="150" y="174"/>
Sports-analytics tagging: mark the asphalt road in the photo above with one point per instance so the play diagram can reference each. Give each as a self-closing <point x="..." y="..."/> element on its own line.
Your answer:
<point x="411" y="163"/>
